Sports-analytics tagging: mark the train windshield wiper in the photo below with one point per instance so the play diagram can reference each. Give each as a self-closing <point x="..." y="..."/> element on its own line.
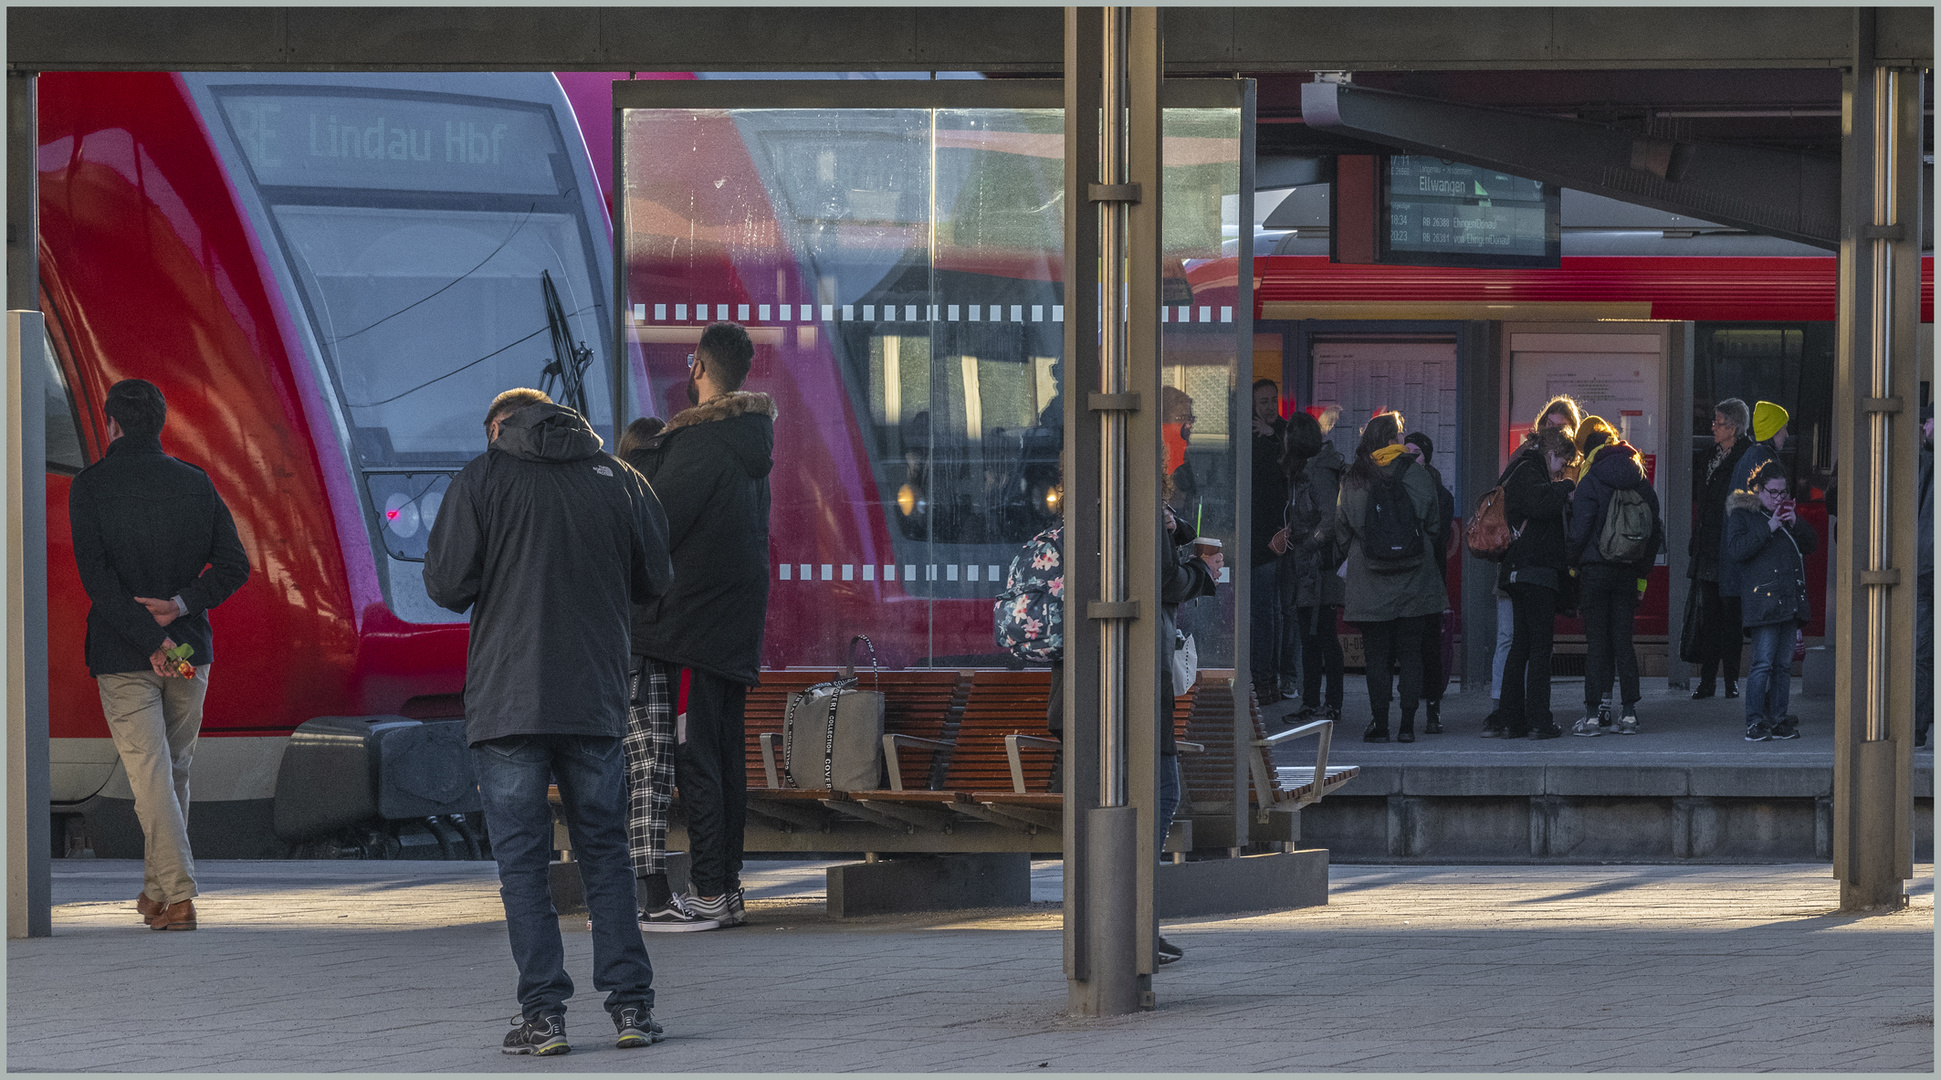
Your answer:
<point x="568" y="368"/>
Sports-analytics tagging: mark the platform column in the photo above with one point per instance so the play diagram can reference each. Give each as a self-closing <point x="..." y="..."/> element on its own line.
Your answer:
<point x="23" y="476"/>
<point x="1876" y="442"/>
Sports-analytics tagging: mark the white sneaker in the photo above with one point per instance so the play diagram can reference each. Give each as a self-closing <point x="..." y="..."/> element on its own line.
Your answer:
<point x="1628" y="724"/>
<point x="1588" y="727"/>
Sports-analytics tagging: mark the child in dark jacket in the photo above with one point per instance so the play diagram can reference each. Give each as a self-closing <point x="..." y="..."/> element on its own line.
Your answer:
<point x="1768" y="542"/>
<point x="1608" y="590"/>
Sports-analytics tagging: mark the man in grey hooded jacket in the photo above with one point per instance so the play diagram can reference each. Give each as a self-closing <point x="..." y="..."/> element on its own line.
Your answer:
<point x="546" y="540"/>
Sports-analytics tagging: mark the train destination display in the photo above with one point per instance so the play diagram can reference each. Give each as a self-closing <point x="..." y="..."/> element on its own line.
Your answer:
<point x="1441" y="213"/>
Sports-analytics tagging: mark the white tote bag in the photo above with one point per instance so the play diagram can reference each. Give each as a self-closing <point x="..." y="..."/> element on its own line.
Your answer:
<point x="1186" y="663"/>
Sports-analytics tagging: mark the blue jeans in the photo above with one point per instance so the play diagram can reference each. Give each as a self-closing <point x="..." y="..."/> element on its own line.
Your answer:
<point x="513" y="773"/>
<point x="1265" y="624"/>
<point x="1769" y="686"/>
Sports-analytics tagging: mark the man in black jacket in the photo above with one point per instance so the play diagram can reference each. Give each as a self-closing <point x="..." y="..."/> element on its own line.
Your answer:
<point x="710" y="467"/>
<point x="156" y="549"/>
<point x="546" y="539"/>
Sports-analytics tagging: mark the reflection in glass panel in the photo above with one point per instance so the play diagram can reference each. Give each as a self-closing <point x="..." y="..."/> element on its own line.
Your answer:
<point x="900" y="273"/>
<point x="63" y="436"/>
<point x="1204" y="407"/>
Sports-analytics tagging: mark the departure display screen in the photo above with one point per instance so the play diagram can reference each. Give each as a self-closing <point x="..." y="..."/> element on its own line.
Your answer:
<point x="1441" y="213"/>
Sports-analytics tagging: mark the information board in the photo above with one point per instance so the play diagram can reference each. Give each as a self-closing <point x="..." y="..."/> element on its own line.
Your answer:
<point x="1441" y="213"/>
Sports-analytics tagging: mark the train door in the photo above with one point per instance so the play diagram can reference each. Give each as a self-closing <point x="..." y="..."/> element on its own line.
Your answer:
<point x="895" y="251"/>
<point x="1618" y="374"/>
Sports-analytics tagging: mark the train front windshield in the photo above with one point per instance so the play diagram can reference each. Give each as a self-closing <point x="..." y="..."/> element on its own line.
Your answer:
<point x="441" y="254"/>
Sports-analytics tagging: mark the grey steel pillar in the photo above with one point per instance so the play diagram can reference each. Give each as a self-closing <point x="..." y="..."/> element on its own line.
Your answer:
<point x="1876" y="437"/>
<point x="1676" y="464"/>
<point x="1481" y="381"/>
<point x="1111" y="503"/>
<point x="24" y="479"/>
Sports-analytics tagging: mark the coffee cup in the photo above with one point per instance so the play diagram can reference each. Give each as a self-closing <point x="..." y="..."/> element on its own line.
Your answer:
<point x="1206" y="546"/>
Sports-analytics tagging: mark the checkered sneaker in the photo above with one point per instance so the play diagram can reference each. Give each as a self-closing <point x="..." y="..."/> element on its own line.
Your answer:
<point x="649" y="746"/>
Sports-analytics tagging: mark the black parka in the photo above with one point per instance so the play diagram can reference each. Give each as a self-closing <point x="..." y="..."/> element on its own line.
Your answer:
<point x="1771" y="563"/>
<point x="548" y="542"/>
<point x="147" y="524"/>
<point x="1536" y="504"/>
<point x="710" y="467"/>
<point x="1708" y="533"/>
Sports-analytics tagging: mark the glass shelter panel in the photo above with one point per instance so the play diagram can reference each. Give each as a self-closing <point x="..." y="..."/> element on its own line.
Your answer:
<point x="900" y="272"/>
<point x="1206" y="400"/>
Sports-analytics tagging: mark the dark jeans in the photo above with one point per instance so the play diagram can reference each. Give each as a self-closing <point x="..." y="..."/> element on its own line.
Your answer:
<point x="1608" y="604"/>
<point x="591" y="773"/>
<point x="1265" y="622"/>
<point x="1291" y="669"/>
<point x="1526" y="675"/>
<point x="1721" y="642"/>
<point x="1320" y="654"/>
<point x="1769" y="685"/>
<point x="1385" y="644"/>
<point x="711" y="769"/>
<point x="1169" y="786"/>
<point x="1924" y="656"/>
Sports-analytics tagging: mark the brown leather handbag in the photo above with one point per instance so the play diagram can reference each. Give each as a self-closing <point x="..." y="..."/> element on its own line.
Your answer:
<point x="1487" y="534"/>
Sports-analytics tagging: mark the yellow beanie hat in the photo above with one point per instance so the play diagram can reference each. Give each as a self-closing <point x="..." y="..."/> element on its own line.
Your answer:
<point x="1767" y="419"/>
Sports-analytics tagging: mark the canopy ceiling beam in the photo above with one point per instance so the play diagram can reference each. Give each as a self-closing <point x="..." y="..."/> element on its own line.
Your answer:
<point x="1014" y="39"/>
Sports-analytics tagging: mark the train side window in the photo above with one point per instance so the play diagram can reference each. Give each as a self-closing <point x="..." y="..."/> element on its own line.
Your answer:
<point x="64" y="453"/>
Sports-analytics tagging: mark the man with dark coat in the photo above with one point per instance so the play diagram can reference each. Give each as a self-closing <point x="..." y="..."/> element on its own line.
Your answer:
<point x="546" y="540"/>
<point x="1269" y="506"/>
<point x="1608" y="592"/>
<point x="710" y="467"/>
<point x="156" y="549"/>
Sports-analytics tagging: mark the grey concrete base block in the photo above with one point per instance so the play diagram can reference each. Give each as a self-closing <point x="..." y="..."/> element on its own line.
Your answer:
<point x="1276" y="882"/>
<point x="569" y="895"/>
<point x="1817" y="678"/>
<point x="929" y="883"/>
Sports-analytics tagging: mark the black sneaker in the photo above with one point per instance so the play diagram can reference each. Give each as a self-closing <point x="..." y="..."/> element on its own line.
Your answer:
<point x="635" y="1026"/>
<point x="1758" y="733"/>
<point x="543" y="1035"/>
<point x="1166" y="952"/>
<point x="1787" y="731"/>
<point x="675" y="918"/>
<point x="1547" y="731"/>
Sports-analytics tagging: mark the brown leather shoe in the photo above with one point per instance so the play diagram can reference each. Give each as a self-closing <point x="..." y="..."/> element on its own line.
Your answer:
<point x="177" y="916"/>
<point x="145" y="907"/>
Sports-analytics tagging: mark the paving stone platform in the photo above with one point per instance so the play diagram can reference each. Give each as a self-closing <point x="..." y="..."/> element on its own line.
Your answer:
<point x="403" y="967"/>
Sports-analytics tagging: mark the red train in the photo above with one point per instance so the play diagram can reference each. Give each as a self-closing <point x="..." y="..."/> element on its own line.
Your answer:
<point x="329" y="276"/>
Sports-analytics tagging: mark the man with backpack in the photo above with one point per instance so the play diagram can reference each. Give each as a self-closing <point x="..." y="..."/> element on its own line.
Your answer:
<point x="1613" y="539"/>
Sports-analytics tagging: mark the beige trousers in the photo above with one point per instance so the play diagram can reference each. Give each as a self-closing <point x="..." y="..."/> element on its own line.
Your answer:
<point x="154" y="722"/>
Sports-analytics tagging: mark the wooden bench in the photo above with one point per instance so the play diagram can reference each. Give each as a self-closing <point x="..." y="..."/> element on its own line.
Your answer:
<point x="1209" y="776"/>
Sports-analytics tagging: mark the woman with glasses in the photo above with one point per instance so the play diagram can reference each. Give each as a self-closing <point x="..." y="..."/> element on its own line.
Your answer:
<point x="1719" y="634"/>
<point x="1768" y="543"/>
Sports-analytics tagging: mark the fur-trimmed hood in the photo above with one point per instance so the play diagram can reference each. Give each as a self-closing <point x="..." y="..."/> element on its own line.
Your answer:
<point x="738" y="403"/>
<point x="1745" y="500"/>
<point x="742" y="421"/>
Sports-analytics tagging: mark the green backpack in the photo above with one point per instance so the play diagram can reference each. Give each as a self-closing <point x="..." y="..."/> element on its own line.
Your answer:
<point x="1627" y="528"/>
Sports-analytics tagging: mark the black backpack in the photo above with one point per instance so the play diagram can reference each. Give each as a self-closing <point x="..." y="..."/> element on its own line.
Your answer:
<point x="1391" y="533"/>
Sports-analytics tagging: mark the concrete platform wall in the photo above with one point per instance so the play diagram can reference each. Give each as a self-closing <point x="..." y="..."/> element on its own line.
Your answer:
<point x="1684" y="822"/>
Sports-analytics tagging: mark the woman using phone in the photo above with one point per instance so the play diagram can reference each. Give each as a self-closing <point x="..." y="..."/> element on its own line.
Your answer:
<point x="1769" y="543"/>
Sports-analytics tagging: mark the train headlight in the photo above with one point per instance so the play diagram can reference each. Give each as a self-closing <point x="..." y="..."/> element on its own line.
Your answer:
<point x="1054" y="498"/>
<point x="428" y="508"/>
<point x="906" y="500"/>
<point x="401" y="515"/>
